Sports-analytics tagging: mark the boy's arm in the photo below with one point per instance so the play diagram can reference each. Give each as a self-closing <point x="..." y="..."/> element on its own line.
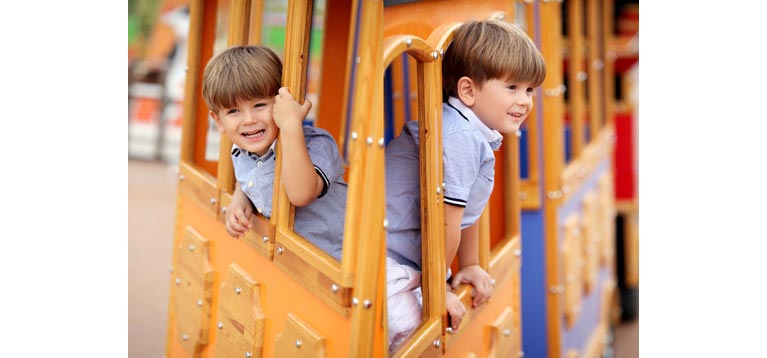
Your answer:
<point x="453" y="217"/>
<point x="238" y="214"/>
<point x="470" y="271"/>
<point x="302" y="183"/>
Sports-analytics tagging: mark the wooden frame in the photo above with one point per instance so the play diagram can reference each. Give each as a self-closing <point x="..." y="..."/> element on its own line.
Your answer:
<point x="553" y="154"/>
<point x="530" y="187"/>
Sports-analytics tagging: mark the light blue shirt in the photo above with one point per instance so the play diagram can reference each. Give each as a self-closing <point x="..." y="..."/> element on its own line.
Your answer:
<point x="469" y="168"/>
<point x="322" y="221"/>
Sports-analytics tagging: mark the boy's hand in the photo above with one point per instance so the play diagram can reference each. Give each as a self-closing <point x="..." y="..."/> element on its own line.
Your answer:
<point x="477" y="277"/>
<point x="455" y="310"/>
<point x="238" y="215"/>
<point x="287" y="113"/>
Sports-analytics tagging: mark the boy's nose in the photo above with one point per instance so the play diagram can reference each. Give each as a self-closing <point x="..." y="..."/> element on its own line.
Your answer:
<point x="250" y="117"/>
<point x="523" y="99"/>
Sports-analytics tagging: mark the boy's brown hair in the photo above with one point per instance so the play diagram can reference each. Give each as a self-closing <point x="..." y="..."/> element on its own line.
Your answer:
<point x="491" y="49"/>
<point x="241" y="73"/>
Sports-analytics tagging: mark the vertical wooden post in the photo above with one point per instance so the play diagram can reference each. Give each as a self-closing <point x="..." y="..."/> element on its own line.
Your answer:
<point x="296" y="61"/>
<point x="239" y="20"/>
<point x="368" y="103"/>
<point x="552" y="106"/>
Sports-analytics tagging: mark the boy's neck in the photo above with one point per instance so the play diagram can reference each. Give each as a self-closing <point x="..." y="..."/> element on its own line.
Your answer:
<point x="491" y="135"/>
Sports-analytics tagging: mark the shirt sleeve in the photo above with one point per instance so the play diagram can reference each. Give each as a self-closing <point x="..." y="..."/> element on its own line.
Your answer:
<point x="461" y="166"/>
<point x="323" y="152"/>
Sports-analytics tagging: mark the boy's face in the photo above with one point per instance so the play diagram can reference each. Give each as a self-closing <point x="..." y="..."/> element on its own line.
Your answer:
<point x="503" y="105"/>
<point x="249" y="124"/>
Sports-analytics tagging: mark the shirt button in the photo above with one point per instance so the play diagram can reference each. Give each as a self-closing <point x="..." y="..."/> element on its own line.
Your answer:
<point x="250" y="184"/>
<point x="259" y="210"/>
<point x="258" y="163"/>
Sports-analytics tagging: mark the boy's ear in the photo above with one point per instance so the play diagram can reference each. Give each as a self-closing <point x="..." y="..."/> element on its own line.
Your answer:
<point x="465" y="89"/>
<point x="219" y="125"/>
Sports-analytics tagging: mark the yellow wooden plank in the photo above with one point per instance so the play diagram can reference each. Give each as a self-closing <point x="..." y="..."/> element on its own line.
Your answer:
<point x="300" y="340"/>
<point x="200" y="187"/>
<point x="193" y="291"/>
<point x="501" y="336"/>
<point x="241" y="321"/>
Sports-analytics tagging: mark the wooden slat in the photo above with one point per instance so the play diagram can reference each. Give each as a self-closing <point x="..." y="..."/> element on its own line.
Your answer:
<point x="239" y="21"/>
<point x="371" y="243"/>
<point x="577" y="102"/>
<point x="300" y="340"/>
<point x="595" y="66"/>
<point x="501" y="337"/>
<point x="260" y="237"/>
<point x="432" y="200"/>
<point x="256" y="16"/>
<point x="394" y="46"/>
<point x="313" y="268"/>
<point x="422" y="344"/>
<point x="193" y="291"/>
<point x="553" y="157"/>
<point x="241" y="321"/>
<point x="200" y="187"/>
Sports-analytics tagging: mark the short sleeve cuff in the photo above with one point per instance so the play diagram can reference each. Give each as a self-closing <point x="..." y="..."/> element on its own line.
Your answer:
<point x="325" y="181"/>
<point x="455" y="195"/>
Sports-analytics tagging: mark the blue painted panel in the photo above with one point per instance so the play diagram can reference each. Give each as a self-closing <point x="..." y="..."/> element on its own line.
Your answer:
<point x="590" y="184"/>
<point x="533" y="285"/>
<point x="406" y="85"/>
<point x="388" y="107"/>
<point x="579" y="335"/>
<point x="352" y="75"/>
<point x="524" y="166"/>
<point x="568" y="143"/>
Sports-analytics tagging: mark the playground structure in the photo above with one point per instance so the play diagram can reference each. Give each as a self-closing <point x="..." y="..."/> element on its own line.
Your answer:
<point x="559" y="236"/>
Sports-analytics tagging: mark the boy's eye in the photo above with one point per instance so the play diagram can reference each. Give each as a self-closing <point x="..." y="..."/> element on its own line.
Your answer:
<point x="530" y="90"/>
<point x="231" y="111"/>
<point x="260" y="105"/>
<point x="513" y="87"/>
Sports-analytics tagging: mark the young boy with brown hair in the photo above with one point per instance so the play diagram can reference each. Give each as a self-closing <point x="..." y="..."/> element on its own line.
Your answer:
<point x="241" y="87"/>
<point x="489" y="74"/>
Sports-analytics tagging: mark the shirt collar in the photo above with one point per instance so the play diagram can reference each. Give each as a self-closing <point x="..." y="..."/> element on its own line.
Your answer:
<point x="236" y="151"/>
<point x="492" y="136"/>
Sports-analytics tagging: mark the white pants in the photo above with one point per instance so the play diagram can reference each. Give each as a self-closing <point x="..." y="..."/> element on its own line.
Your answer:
<point x="404" y="301"/>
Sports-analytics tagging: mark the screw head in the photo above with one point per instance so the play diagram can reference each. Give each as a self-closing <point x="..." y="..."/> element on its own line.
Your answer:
<point x="237" y="290"/>
<point x="298" y="343"/>
<point x="334" y="288"/>
<point x="220" y="325"/>
<point x="266" y="239"/>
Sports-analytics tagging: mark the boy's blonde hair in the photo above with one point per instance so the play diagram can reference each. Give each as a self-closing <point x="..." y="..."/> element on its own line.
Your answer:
<point x="491" y="49"/>
<point x="241" y="73"/>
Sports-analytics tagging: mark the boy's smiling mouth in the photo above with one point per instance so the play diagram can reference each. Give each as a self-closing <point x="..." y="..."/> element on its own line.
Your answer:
<point x="254" y="134"/>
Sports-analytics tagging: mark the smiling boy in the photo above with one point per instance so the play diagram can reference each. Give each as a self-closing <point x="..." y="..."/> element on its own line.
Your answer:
<point x="241" y="87"/>
<point x="489" y="74"/>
